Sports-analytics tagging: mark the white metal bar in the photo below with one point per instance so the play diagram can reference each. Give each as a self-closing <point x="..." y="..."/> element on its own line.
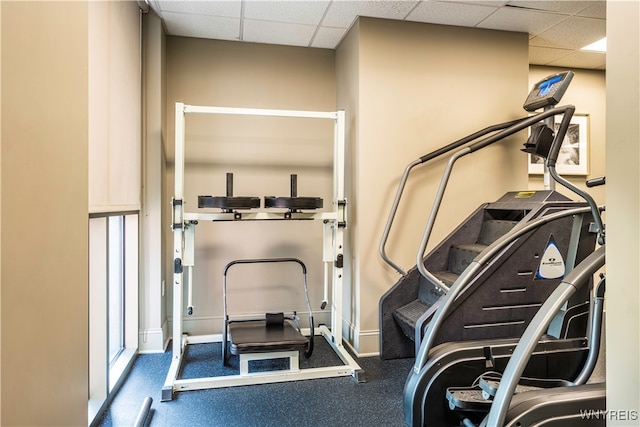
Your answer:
<point x="350" y="368"/>
<point x="339" y="154"/>
<point x="341" y="351"/>
<point x="204" y="339"/>
<point x="179" y="152"/>
<point x="293" y="356"/>
<point x="260" y="112"/>
<point x="188" y="261"/>
<point x="188" y="258"/>
<point x="337" y="282"/>
<point x="258" y="216"/>
<point x="177" y="295"/>
<point x="172" y="374"/>
<point x="261" y="378"/>
<point x="338" y="229"/>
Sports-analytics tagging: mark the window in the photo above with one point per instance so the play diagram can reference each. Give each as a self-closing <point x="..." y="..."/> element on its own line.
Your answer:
<point x="113" y="302"/>
<point x="115" y="288"/>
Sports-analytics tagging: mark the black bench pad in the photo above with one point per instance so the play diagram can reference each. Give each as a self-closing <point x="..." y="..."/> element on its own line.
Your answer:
<point x="256" y="337"/>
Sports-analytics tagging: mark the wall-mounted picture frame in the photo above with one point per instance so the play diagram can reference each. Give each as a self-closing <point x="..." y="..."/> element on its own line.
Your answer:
<point x="573" y="158"/>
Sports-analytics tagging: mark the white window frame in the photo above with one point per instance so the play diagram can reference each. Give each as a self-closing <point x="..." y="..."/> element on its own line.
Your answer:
<point x="105" y="376"/>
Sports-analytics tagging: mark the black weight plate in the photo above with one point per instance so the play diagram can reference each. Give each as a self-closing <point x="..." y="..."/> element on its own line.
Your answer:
<point x="293" y="202"/>
<point x="228" y="202"/>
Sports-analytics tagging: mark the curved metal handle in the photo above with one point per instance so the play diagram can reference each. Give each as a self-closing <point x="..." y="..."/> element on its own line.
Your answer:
<point x="262" y="261"/>
<point x="551" y="165"/>
<point x="392" y="215"/>
<point x="514" y="128"/>
<point x="478" y="263"/>
<point x="423" y="159"/>
<point x="523" y="351"/>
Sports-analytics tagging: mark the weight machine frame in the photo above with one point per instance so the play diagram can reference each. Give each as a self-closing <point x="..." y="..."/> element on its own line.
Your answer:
<point x="183" y="225"/>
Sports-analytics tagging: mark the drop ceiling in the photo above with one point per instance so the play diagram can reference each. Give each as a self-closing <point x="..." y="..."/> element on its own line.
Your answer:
<point x="557" y="29"/>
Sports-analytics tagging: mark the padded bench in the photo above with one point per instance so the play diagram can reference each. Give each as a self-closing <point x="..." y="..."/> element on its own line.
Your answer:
<point x="257" y="340"/>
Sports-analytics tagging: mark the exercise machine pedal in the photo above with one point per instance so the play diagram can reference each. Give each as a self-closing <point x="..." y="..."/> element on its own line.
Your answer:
<point x="468" y="399"/>
<point x="489" y="384"/>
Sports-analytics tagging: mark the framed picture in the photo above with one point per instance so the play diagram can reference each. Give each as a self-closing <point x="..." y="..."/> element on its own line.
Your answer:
<point x="573" y="158"/>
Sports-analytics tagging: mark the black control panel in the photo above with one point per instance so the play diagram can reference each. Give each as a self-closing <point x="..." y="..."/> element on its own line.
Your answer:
<point x="548" y="91"/>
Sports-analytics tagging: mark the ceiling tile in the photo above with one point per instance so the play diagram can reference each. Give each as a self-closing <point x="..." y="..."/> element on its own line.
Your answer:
<point x="522" y="20"/>
<point x="597" y="9"/>
<point x="228" y="8"/>
<point x="496" y="3"/>
<point x="573" y="33"/>
<point x="544" y="56"/>
<point x="277" y="32"/>
<point x="342" y="14"/>
<point x="328" y="37"/>
<point x="202" y="26"/>
<point x="297" y="12"/>
<point x="465" y="15"/>
<point x="555" y="28"/>
<point x="567" y="7"/>
<point x="579" y="59"/>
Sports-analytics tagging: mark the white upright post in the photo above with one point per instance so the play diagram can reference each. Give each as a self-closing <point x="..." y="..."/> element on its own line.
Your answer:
<point x="178" y="230"/>
<point x="340" y="224"/>
<point x="178" y="247"/>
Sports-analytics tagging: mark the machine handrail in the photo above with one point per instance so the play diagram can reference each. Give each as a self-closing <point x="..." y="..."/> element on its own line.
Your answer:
<point x="567" y="110"/>
<point x="551" y="166"/>
<point x="539" y="324"/>
<point x="421" y="160"/>
<point x="478" y="263"/>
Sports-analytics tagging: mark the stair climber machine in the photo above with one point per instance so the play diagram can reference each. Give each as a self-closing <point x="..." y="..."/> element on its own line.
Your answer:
<point x="575" y="398"/>
<point x="462" y="308"/>
<point x="511" y="276"/>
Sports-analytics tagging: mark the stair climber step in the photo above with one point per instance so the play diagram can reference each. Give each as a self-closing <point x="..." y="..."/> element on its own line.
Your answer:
<point x="447" y="277"/>
<point x="460" y="256"/>
<point x="468" y="399"/>
<point x="407" y="316"/>
<point x="489" y="384"/>
<point x="493" y="229"/>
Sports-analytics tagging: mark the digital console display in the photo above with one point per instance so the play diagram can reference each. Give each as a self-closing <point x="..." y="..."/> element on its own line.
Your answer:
<point x="546" y="85"/>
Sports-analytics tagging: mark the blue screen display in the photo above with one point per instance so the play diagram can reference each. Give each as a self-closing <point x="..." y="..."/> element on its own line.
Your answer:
<point x="546" y="85"/>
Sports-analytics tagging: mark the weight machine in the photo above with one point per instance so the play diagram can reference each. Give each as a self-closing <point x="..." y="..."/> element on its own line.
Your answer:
<point x="239" y="209"/>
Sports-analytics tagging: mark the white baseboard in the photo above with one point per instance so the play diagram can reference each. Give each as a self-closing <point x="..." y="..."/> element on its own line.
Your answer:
<point x="362" y="343"/>
<point x="206" y="325"/>
<point x="151" y="341"/>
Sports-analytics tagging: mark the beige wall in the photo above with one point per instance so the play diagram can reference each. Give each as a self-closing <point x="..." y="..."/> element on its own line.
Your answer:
<point x="623" y="210"/>
<point x="420" y="87"/>
<point x="152" y="313"/>
<point x="114" y="107"/>
<point x="262" y="153"/>
<point x="588" y="93"/>
<point x="44" y="213"/>
<point x="348" y="90"/>
<point x="396" y="105"/>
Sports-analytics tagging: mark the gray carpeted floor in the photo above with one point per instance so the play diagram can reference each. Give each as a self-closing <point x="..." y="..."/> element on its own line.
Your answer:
<point x="321" y="402"/>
